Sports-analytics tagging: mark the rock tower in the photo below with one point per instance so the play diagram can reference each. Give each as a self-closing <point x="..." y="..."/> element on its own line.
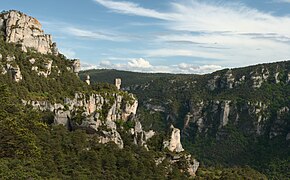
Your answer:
<point x="118" y="83"/>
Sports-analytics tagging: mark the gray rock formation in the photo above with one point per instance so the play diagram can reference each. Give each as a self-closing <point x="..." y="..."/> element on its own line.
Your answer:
<point x="16" y="73"/>
<point x="47" y="68"/>
<point x="207" y="117"/>
<point x="91" y="108"/>
<point x="10" y="67"/>
<point x="140" y="136"/>
<point x="225" y="108"/>
<point x="32" y="60"/>
<point x="277" y="80"/>
<point x="174" y="143"/>
<point x="212" y="83"/>
<point x="257" y="80"/>
<point x="27" y="31"/>
<point x="111" y="136"/>
<point x="121" y="109"/>
<point x="76" y="66"/>
<point x="61" y="117"/>
<point x="259" y="77"/>
<point x="193" y="166"/>
<point x="88" y="80"/>
<point x="228" y="81"/>
<point x="118" y="83"/>
<point x="156" y="108"/>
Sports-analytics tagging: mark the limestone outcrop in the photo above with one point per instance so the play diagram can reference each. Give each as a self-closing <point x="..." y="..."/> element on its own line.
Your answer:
<point x="91" y="106"/>
<point x="191" y="164"/>
<point x="27" y="31"/>
<point x="88" y="80"/>
<point x="76" y="66"/>
<point x="10" y="66"/>
<point x="139" y="135"/>
<point x="118" y="83"/>
<point x="98" y="111"/>
<point x="227" y="79"/>
<point x="174" y="143"/>
<point x="177" y="153"/>
<point x="16" y="73"/>
<point x="207" y="117"/>
<point x="225" y="111"/>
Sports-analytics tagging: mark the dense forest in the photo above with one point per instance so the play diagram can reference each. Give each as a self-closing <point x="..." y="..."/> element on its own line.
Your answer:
<point x="168" y="98"/>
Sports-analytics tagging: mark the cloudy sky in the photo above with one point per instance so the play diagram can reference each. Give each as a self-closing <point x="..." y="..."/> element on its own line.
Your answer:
<point x="177" y="36"/>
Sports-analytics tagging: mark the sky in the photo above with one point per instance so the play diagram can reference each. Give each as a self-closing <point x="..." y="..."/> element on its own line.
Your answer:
<point x="172" y="36"/>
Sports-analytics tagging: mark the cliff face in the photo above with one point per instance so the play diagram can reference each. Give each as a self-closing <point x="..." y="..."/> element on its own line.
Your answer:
<point x="27" y="31"/>
<point x="232" y="117"/>
<point x="253" y="99"/>
<point x="252" y="118"/>
<point x="93" y="113"/>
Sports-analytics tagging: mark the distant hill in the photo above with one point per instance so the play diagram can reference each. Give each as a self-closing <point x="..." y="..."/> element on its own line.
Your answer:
<point x="128" y="78"/>
<point x="232" y="117"/>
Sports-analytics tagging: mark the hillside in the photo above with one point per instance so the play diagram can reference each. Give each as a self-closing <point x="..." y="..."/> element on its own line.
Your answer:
<point x="232" y="117"/>
<point x="55" y="126"/>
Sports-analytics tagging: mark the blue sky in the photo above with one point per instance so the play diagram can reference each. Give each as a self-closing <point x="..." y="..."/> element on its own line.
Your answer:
<point x="177" y="36"/>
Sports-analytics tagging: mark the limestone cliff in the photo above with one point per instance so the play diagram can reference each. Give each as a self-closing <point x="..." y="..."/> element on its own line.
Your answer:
<point x="251" y="117"/>
<point x="255" y="78"/>
<point x="98" y="113"/>
<point x="27" y="31"/>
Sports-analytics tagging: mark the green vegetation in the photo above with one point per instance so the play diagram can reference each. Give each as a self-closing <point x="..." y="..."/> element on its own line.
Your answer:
<point x="235" y="149"/>
<point x="60" y="84"/>
<point x="31" y="147"/>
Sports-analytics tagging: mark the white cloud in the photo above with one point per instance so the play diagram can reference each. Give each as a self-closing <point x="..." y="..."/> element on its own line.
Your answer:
<point x="133" y="9"/>
<point x="190" y="68"/>
<point x="233" y="49"/>
<point x="82" y="33"/>
<point x="69" y="53"/>
<point x="194" y="15"/>
<point x="229" y="33"/>
<point x="62" y="30"/>
<point x="235" y="18"/>
<point x="130" y="64"/>
<point x="142" y="65"/>
<point x="86" y="66"/>
<point x="192" y="52"/>
<point x="105" y="63"/>
<point x="139" y="63"/>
